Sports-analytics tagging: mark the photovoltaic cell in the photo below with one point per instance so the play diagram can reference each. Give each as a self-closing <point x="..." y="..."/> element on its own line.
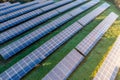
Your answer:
<point x="83" y="7"/>
<point x="69" y="6"/>
<point x="17" y="30"/>
<point x="21" y="18"/>
<point x="93" y="37"/>
<point x="27" y="63"/>
<point x="32" y="37"/>
<point x="14" y="14"/>
<point x="90" y="16"/>
<point x="65" y="67"/>
<point x="9" y="6"/>
<point x="12" y="9"/>
<point x="110" y="66"/>
<point x="47" y="8"/>
<point x="5" y="4"/>
<point x="37" y="35"/>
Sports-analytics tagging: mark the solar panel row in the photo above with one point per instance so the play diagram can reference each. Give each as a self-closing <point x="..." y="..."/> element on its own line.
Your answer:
<point x="22" y="67"/>
<point x="1" y="5"/>
<point x="55" y="5"/>
<point x="57" y="73"/>
<point x="9" y="6"/>
<point x="65" y="67"/>
<point x="110" y="66"/>
<point x="83" y="7"/>
<point x="69" y="6"/>
<point x="89" y="42"/>
<point x="12" y="9"/>
<point x="38" y="34"/>
<point x="85" y="20"/>
<point x="4" y="4"/>
<point x="24" y="17"/>
<point x="23" y="11"/>
<point x="9" y="34"/>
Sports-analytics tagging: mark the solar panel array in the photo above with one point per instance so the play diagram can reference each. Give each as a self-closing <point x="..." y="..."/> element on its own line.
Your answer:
<point x="31" y="14"/>
<point x="9" y="6"/>
<point x="23" y="66"/>
<point x="65" y="67"/>
<point x="55" y="72"/>
<point x="27" y="16"/>
<point x="29" y="39"/>
<point x="92" y="15"/>
<point x="110" y="66"/>
<point x="83" y="7"/>
<point x="9" y="34"/>
<point x="69" y="6"/>
<point x="60" y="3"/>
<point x="89" y="42"/>
<point x="4" y="4"/>
<point x="23" y="11"/>
<point x="12" y="9"/>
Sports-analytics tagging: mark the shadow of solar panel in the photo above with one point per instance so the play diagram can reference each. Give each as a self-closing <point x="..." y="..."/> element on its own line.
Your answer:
<point x="65" y="67"/>
<point x="23" y="11"/>
<point x="12" y="9"/>
<point x="41" y="53"/>
<point x="92" y="15"/>
<point x="93" y="37"/>
<point x="9" y="6"/>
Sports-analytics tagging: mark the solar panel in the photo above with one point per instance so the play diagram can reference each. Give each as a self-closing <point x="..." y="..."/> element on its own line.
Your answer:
<point x="4" y="4"/>
<point x="17" y="30"/>
<point x="12" y="9"/>
<point x="9" y="6"/>
<point x="83" y="7"/>
<point x="27" y="63"/>
<point x="93" y="37"/>
<point x="19" y="19"/>
<point x="45" y="30"/>
<point x="62" y="2"/>
<point x="109" y="67"/>
<point x="90" y="16"/>
<point x="23" y="11"/>
<point x="69" y="6"/>
<point x="65" y="67"/>
<point x="47" y="8"/>
<point x="32" y="37"/>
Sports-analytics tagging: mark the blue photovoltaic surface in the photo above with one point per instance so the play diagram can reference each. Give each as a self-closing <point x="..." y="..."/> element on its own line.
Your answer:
<point x="23" y="11"/>
<point x="28" y="25"/>
<point x="9" y="6"/>
<point x="7" y="52"/>
<point x="65" y="67"/>
<point x="22" y="67"/>
<point x="12" y="9"/>
<point x="22" y="18"/>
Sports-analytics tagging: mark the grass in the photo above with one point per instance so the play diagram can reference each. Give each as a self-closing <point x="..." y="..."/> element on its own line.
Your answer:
<point x="85" y="70"/>
<point x="118" y="76"/>
<point x="58" y="55"/>
<point x="6" y="64"/>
